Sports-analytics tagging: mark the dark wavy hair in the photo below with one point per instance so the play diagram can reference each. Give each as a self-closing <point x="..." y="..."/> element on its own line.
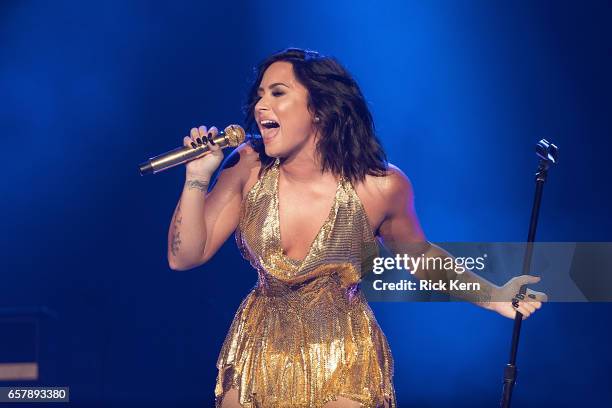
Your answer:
<point x="348" y="145"/>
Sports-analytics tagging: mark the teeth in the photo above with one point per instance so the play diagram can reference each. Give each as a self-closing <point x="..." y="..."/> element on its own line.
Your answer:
<point x="269" y="123"/>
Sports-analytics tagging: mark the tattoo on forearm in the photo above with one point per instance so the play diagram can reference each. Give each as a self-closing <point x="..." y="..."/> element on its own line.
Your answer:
<point x="201" y="185"/>
<point x="176" y="236"/>
<point x="176" y="242"/>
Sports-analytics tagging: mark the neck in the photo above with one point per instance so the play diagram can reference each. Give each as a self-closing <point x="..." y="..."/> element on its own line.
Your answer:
<point x="303" y="165"/>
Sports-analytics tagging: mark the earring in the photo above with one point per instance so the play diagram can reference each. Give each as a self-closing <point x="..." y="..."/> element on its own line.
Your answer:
<point x="317" y="119"/>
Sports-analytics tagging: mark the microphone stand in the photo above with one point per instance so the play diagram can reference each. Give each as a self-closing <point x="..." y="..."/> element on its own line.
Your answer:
<point x="548" y="155"/>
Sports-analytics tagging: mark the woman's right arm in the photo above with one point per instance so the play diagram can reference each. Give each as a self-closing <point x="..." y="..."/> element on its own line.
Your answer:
<point x="203" y="221"/>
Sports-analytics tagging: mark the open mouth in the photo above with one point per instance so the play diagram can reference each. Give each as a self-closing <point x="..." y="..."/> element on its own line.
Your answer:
<point x="269" y="124"/>
<point x="269" y="128"/>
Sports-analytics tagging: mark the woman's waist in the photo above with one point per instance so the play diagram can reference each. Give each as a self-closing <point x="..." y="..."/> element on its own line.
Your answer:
<point x="331" y="286"/>
<point x="342" y="274"/>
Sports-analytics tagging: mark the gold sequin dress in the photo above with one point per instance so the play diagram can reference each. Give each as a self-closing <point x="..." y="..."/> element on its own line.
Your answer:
<point x="305" y="334"/>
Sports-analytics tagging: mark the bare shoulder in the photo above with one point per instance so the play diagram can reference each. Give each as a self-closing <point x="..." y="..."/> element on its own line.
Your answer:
<point x="382" y="195"/>
<point x="393" y="185"/>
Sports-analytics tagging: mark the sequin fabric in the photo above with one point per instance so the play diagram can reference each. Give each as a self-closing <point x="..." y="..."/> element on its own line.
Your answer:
<point x="305" y="334"/>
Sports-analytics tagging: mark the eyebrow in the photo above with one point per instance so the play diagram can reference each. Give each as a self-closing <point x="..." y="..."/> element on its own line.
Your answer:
<point x="272" y="86"/>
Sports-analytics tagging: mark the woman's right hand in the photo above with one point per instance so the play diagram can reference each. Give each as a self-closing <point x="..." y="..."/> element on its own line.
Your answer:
<point x="206" y="165"/>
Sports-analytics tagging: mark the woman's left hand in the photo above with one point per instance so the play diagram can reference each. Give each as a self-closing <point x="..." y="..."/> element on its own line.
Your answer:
<point x="530" y="302"/>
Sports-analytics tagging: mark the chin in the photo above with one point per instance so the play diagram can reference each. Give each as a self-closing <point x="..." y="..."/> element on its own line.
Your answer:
<point x="271" y="151"/>
<point x="276" y="149"/>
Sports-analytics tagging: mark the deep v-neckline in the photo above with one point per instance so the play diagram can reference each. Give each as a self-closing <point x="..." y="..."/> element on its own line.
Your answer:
<point x="279" y="241"/>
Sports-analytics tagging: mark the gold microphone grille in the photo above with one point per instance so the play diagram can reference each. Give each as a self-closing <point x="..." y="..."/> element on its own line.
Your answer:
<point x="235" y="135"/>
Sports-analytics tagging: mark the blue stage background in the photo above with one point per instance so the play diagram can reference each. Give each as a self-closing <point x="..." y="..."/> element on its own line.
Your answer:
<point x="460" y="93"/>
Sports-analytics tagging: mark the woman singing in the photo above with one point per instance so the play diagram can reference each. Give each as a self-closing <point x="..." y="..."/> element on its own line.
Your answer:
<point x="303" y="206"/>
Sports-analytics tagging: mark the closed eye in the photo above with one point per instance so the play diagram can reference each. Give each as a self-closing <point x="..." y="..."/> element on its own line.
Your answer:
<point x="274" y="93"/>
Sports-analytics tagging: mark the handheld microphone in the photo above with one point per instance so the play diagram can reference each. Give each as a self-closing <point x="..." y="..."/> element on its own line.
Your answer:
<point x="232" y="136"/>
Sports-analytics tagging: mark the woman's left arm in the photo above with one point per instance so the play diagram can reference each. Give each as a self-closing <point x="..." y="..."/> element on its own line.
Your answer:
<point x="401" y="233"/>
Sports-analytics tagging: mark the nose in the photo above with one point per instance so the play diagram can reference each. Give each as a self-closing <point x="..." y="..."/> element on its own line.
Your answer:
<point x="261" y="105"/>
